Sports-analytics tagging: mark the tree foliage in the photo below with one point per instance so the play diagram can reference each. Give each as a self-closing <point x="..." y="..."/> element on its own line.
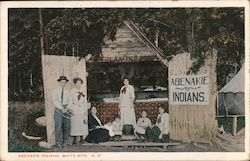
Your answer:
<point x="82" y="31"/>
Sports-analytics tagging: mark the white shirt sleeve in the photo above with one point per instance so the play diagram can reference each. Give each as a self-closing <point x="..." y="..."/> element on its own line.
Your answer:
<point x="56" y="101"/>
<point x="132" y="93"/>
<point x="165" y="123"/>
<point x="70" y="97"/>
<point x="120" y="97"/>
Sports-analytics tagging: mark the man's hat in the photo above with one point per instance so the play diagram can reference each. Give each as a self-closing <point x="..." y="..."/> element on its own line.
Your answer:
<point x="62" y="78"/>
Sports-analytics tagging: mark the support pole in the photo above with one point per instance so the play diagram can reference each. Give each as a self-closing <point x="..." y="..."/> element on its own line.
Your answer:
<point x="234" y="129"/>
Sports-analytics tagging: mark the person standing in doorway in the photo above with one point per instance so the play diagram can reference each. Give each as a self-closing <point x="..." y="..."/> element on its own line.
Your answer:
<point x="79" y="115"/>
<point x="62" y="102"/>
<point x="126" y="105"/>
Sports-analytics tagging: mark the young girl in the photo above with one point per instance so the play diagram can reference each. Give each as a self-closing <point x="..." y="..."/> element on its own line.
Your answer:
<point x="117" y="128"/>
<point x="142" y="124"/>
<point x="160" y="128"/>
<point x="109" y="127"/>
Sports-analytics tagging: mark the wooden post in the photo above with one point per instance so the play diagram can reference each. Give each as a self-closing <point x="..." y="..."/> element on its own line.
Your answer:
<point x="193" y="123"/>
<point x="234" y="128"/>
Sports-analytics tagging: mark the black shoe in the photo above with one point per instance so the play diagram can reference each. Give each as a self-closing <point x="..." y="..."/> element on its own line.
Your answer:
<point x="58" y="146"/>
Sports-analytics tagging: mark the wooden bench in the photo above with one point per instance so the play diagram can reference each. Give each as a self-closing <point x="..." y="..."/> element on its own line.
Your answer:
<point x="136" y="144"/>
<point x="132" y="144"/>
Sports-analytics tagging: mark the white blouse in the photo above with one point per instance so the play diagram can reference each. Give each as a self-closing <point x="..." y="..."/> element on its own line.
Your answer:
<point x="127" y="98"/>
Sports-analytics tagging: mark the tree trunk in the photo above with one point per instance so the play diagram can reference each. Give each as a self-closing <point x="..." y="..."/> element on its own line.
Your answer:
<point x="157" y="37"/>
<point x="31" y="79"/>
<point x="189" y="34"/>
<point x="41" y="32"/>
<point x="19" y="80"/>
<point x="14" y="79"/>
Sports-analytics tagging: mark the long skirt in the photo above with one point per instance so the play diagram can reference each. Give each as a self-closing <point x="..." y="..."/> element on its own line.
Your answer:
<point x="97" y="136"/>
<point x="78" y="122"/>
<point x="128" y="116"/>
<point x="153" y="134"/>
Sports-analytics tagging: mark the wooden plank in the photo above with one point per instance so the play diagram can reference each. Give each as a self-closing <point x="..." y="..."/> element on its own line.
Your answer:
<point x="126" y="40"/>
<point x="230" y="116"/>
<point x="123" y="45"/>
<point x="115" y="59"/>
<point x="126" y="54"/>
<point x="134" y="143"/>
<point x="125" y="49"/>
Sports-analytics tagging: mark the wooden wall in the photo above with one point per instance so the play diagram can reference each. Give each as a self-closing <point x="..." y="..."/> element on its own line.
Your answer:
<point x="127" y="44"/>
<point x="53" y="67"/>
<point x="194" y="123"/>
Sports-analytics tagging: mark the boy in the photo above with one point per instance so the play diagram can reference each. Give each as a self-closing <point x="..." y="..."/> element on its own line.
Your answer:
<point x="142" y="124"/>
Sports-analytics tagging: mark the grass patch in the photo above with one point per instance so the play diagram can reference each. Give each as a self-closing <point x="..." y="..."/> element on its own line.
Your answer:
<point x="21" y="118"/>
<point x="227" y="123"/>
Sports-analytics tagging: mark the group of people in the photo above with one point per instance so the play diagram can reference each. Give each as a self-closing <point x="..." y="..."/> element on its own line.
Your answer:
<point x="77" y="122"/>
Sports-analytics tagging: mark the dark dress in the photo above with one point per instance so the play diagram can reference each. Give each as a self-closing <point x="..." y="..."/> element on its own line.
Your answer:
<point x="96" y="135"/>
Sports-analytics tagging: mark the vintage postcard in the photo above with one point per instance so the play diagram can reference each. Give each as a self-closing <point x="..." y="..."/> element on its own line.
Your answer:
<point x="124" y="80"/>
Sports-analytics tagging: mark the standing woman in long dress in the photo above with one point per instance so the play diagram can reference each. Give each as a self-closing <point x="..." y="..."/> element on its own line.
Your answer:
<point x="126" y="104"/>
<point x="79" y="112"/>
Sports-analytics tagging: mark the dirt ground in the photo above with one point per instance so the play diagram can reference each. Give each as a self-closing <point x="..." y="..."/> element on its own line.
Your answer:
<point x="226" y="143"/>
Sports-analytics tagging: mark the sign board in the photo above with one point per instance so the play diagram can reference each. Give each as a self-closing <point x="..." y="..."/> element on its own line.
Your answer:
<point x="189" y="90"/>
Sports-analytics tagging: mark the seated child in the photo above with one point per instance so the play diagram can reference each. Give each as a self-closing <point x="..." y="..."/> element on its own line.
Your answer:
<point x="159" y="131"/>
<point x="142" y="124"/>
<point x="109" y="127"/>
<point x="117" y="128"/>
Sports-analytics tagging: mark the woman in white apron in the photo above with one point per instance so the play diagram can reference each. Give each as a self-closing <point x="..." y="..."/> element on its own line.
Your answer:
<point x="79" y="112"/>
<point x="126" y="104"/>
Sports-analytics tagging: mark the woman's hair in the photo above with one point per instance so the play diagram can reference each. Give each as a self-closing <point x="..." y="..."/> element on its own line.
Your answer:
<point x="90" y="109"/>
<point x="75" y="80"/>
<point x="163" y="108"/>
<point x="124" y="90"/>
<point x="126" y="78"/>
<point x="144" y="111"/>
<point x="117" y="116"/>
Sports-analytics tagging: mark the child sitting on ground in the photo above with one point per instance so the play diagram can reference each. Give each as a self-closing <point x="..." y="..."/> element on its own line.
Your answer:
<point x="117" y="128"/>
<point x="142" y="124"/>
<point x="109" y="127"/>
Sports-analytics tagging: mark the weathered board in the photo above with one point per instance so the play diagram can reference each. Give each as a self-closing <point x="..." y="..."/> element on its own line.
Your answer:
<point x="127" y="47"/>
<point x="194" y="123"/>
<point x="53" y="68"/>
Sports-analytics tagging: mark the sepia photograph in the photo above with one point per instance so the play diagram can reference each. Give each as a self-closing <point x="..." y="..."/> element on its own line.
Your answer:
<point x="126" y="79"/>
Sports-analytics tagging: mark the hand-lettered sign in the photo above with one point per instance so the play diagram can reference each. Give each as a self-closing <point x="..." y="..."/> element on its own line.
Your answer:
<point x="189" y="90"/>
